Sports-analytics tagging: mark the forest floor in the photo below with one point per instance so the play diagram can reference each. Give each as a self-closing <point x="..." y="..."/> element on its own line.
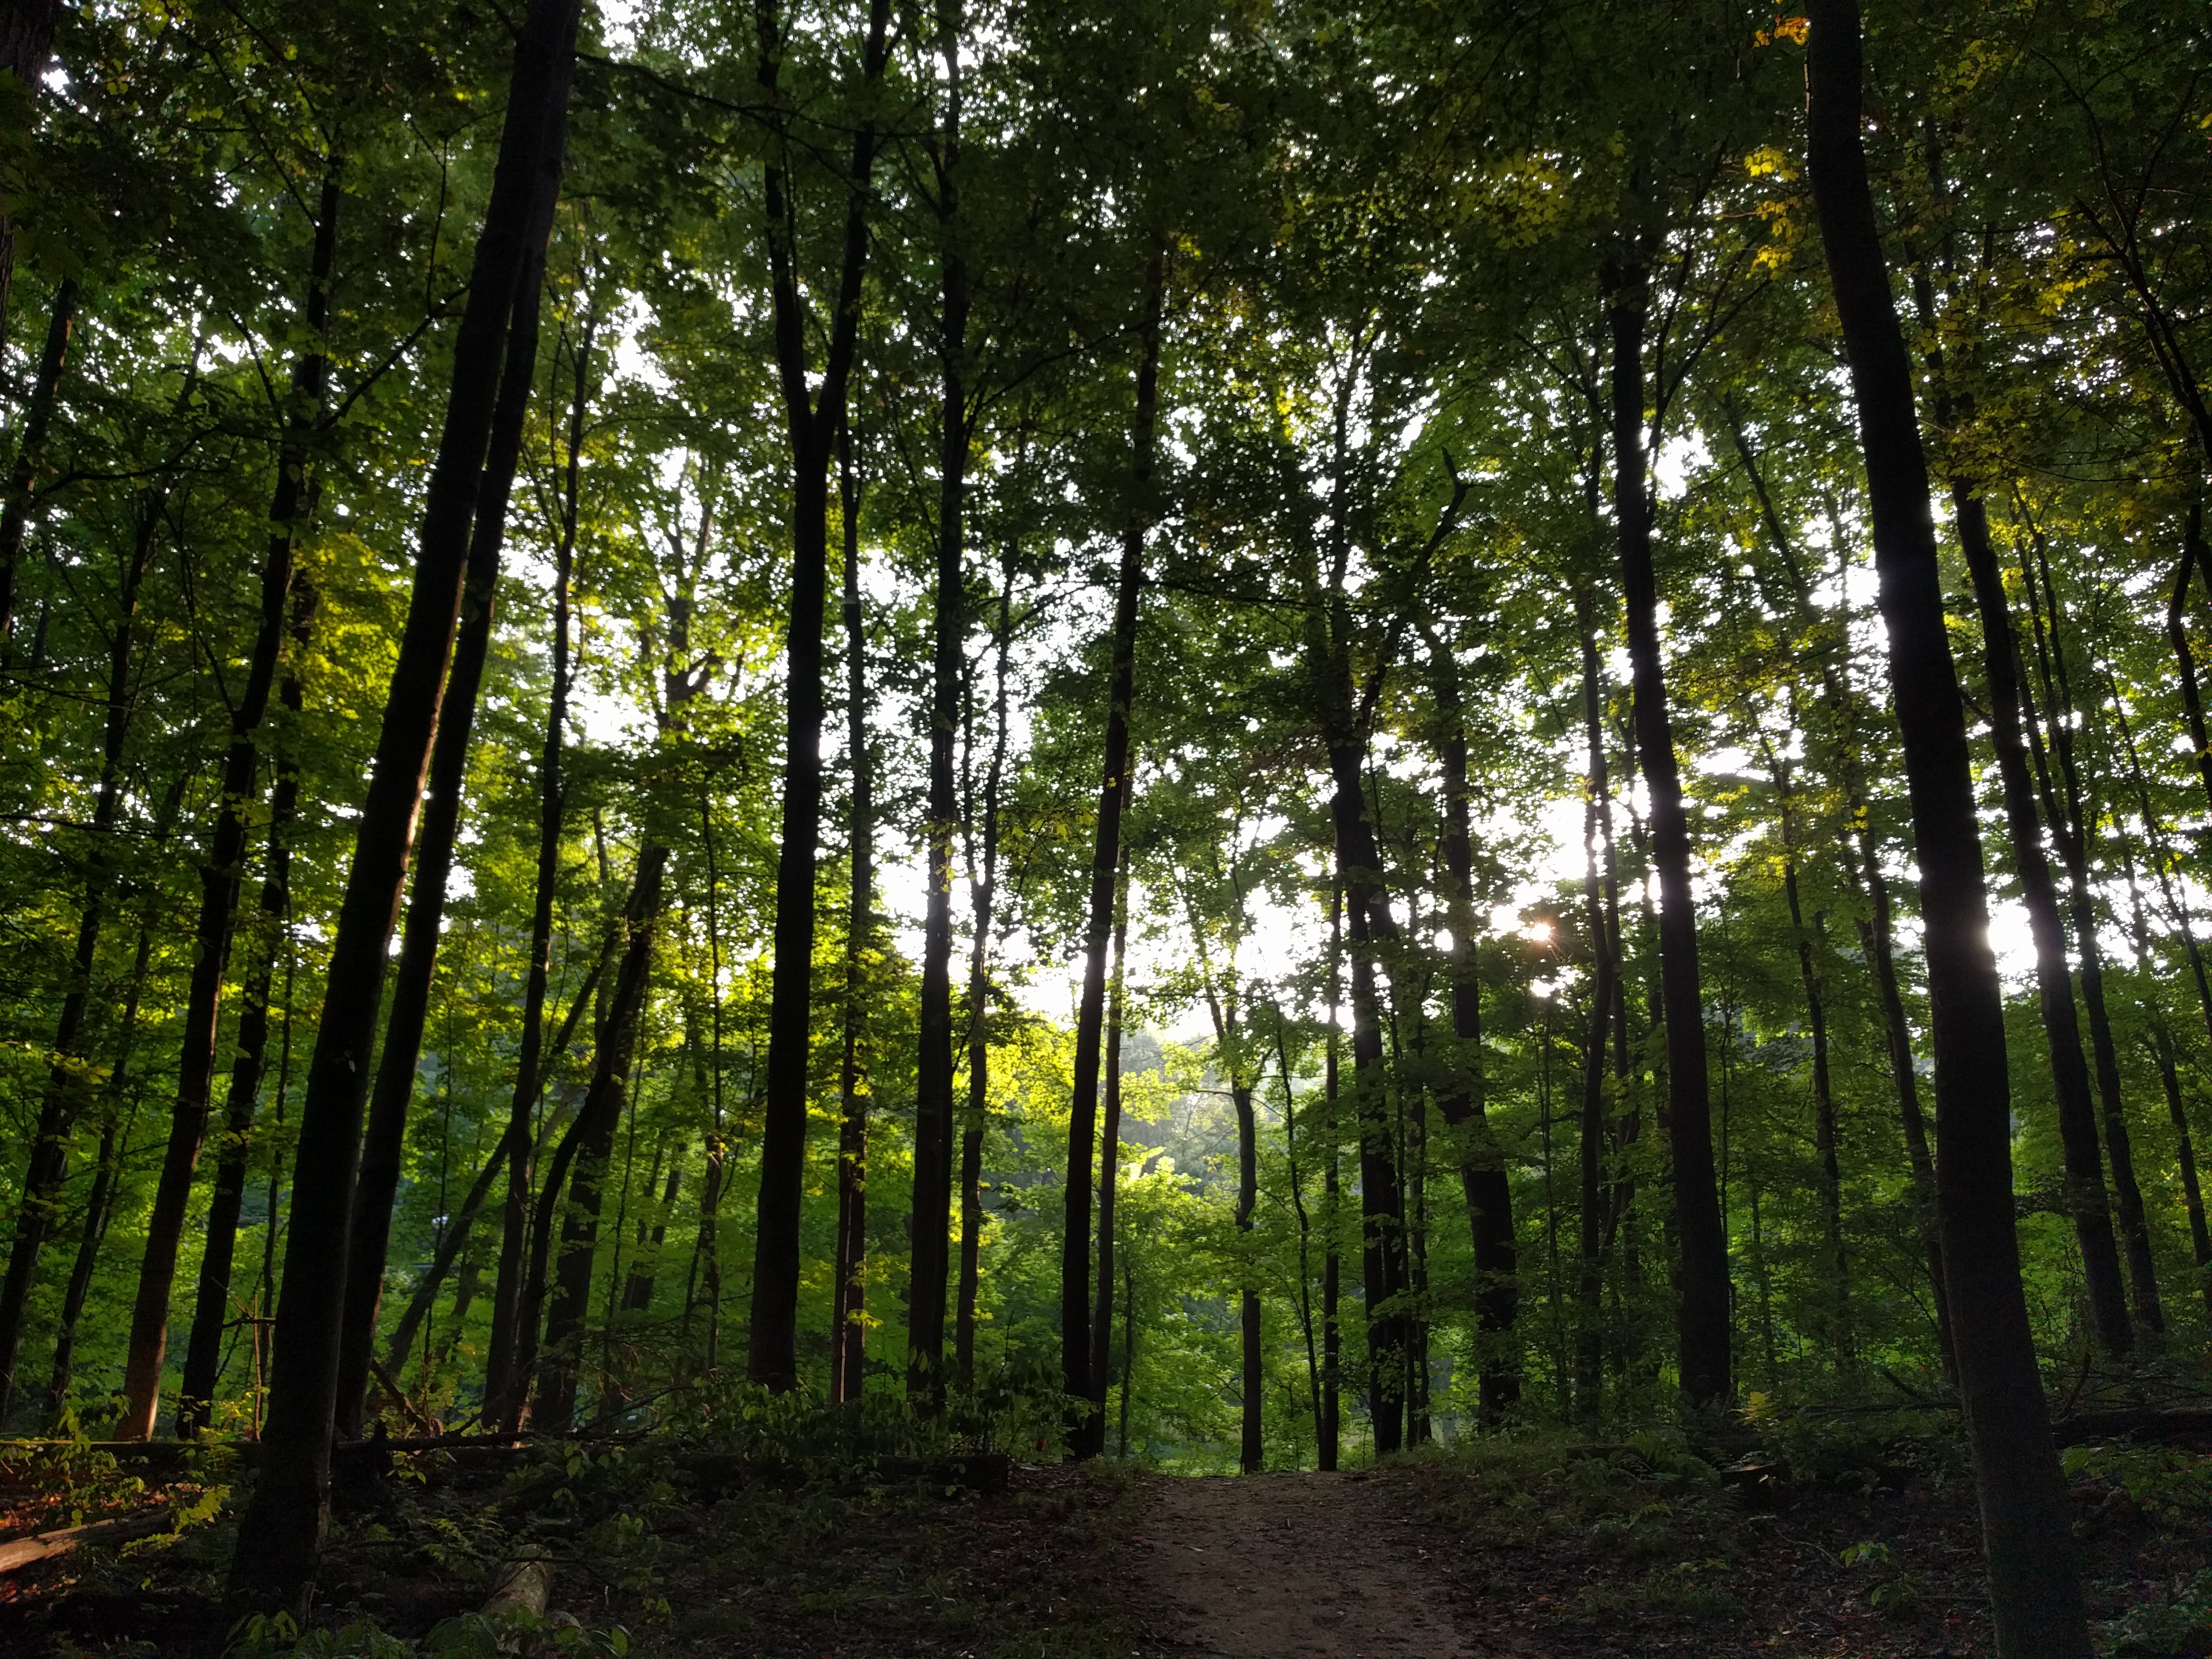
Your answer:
<point x="1865" y="1544"/>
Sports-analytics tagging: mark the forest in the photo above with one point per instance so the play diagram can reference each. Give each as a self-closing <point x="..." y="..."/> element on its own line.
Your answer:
<point x="1223" y="735"/>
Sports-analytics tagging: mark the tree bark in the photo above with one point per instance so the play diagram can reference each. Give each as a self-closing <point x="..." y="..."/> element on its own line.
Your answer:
<point x="983" y="886"/>
<point x="383" y="1147"/>
<point x="38" y="421"/>
<point x="812" y="421"/>
<point x="514" y="1147"/>
<point x="591" y="1143"/>
<point x="1110" y="1142"/>
<point x="2070" y="1067"/>
<point x="211" y="1300"/>
<point x="1702" y="1291"/>
<point x="2073" y="823"/>
<point x="1481" y="1163"/>
<point x="2027" y="1518"/>
<point x="281" y="1533"/>
<point x="848" y="1315"/>
<point x="222" y="879"/>
<point x="100" y="1203"/>
<point x="2192" y="1191"/>
<point x="64" y="1095"/>
<point x="1605" y="971"/>
<point x="1824" y="1099"/>
<point x="26" y="47"/>
<point x="1332" y="1263"/>
<point x="1089" y="1432"/>
<point x="929" y="1218"/>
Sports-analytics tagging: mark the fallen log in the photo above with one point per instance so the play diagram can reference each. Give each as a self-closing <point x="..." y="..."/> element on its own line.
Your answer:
<point x="20" y="1552"/>
<point x="2141" y="1422"/>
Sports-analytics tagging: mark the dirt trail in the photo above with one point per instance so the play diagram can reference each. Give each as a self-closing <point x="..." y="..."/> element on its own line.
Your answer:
<point x="1274" y="1566"/>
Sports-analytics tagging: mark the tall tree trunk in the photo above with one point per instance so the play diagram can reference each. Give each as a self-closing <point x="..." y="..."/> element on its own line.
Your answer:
<point x="929" y="1218"/>
<point x="1875" y="935"/>
<point x="554" y="1406"/>
<point x="38" y="422"/>
<point x="26" y="47"/>
<point x="2073" y="823"/>
<point x="100" y="1203"/>
<point x="281" y="1533"/>
<point x="62" y="1098"/>
<point x="1221" y="1006"/>
<point x="2027" y="1520"/>
<point x="1605" y="972"/>
<point x="211" y="1301"/>
<point x="1481" y="1163"/>
<point x="222" y="876"/>
<point x="1702" y="1293"/>
<point x="983" y="886"/>
<point x="1109" y="1141"/>
<point x="383" y="1147"/>
<point x="2193" y="557"/>
<point x="2070" y="1067"/>
<point x="652" y="1233"/>
<point x="1305" y="1221"/>
<point x="1846" y="706"/>
<point x="1824" y="1100"/>
<point x="2161" y="1039"/>
<point x="813" y="420"/>
<point x="848" y="1323"/>
<point x="1089" y="1434"/>
<point x="514" y="1148"/>
<point x="1331" y="1264"/>
<point x="2192" y="1191"/>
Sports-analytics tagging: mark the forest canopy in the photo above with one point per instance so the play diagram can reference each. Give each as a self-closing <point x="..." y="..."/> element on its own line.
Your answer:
<point x="1307" y="726"/>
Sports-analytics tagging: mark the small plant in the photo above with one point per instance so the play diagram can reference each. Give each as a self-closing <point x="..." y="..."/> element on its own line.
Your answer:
<point x="2173" y="1487"/>
<point x="2162" y="1630"/>
<point x="1891" y="1590"/>
<point x="518" y="1634"/>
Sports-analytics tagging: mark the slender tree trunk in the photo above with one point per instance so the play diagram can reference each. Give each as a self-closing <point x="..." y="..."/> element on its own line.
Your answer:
<point x="2161" y="1039"/>
<point x="222" y="878"/>
<point x="2073" y="823"/>
<point x="1702" y="1291"/>
<point x="2192" y="1191"/>
<point x="930" y="1220"/>
<point x="1305" y="1222"/>
<point x="2027" y="1519"/>
<point x="38" y="421"/>
<point x="211" y="1301"/>
<point x="513" y="1151"/>
<point x="1824" y="1100"/>
<point x="1846" y="706"/>
<point x="983" y="886"/>
<point x="281" y="1533"/>
<point x="100" y="1203"/>
<point x="2177" y="633"/>
<point x="1604" y="970"/>
<point x="26" y="47"/>
<point x="1332" y="1265"/>
<point x="64" y="1095"/>
<point x="383" y="1147"/>
<point x="2070" y="1067"/>
<point x="1875" y="938"/>
<point x="848" y="1325"/>
<point x="592" y="1137"/>
<point x="1251" y="1450"/>
<point x="1481" y="1163"/>
<point x="813" y="420"/>
<point x="1089" y="1433"/>
<point x="1110" y="1142"/>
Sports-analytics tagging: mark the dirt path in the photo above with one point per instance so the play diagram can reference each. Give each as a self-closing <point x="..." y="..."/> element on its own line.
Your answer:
<point x="1271" y="1567"/>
